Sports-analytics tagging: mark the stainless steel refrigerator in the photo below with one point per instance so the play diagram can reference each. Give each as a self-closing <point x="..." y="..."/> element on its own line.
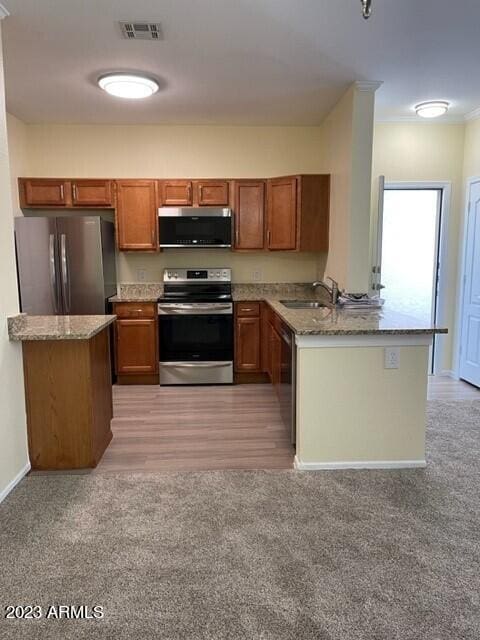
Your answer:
<point x="66" y="265"/>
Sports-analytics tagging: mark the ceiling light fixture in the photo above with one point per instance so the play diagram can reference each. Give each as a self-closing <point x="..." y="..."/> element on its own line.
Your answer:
<point x="128" y="85"/>
<point x="366" y="8"/>
<point x="432" y="109"/>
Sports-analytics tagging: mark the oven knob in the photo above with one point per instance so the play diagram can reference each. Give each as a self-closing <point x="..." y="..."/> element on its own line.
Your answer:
<point x="175" y="275"/>
<point x="218" y="274"/>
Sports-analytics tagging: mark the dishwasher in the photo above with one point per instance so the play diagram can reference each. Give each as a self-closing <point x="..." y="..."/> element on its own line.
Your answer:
<point x="286" y="387"/>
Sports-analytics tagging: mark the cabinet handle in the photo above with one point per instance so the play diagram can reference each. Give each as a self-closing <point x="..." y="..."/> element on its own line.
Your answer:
<point x="61" y="192"/>
<point x="189" y="191"/>
<point x="74" y="189"/>
<point x="236" y="237"/>
<point x="268" y="236"/>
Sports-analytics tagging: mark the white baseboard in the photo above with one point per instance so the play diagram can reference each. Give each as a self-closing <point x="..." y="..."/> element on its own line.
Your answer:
<point x="13" y="483"/>
<point x="377" y="464"/>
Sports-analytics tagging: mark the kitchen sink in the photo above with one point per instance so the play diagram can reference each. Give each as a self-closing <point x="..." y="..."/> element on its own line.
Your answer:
<point x="303" y="304"/>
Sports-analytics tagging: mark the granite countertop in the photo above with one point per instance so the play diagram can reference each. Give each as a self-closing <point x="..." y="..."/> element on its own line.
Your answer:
<point x="324" y="321"/>
<point x="337" y="321"/>
<point x="24" y="327"/>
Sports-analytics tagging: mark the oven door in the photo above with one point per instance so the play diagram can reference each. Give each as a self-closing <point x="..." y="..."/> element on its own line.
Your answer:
<point x="195" y="343"/>
<point x="187" y="230"/>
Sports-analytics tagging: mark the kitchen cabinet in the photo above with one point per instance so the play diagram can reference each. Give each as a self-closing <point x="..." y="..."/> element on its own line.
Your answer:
<point x="249" y="214"/>
<point x="92" y="193"/>
<point x="136" y="342"/>
<point x="212" y="193"/>
<point x="68" y="396"/>
<point x="136" y="215"/>
<point x="282" y="214"/>
<point x="247" y="337"/>
<point x="43" y="192"/>
<point x="176" y="193"/>
<point x="298" y="211"/>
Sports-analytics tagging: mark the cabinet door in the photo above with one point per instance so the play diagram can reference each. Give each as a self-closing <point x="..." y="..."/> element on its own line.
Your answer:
<point x="44" y="192"/>
<point x="282" y="214"/>
<point x="176" y="193"/>
<point x="92" y="193"/>
<point x="137" y="215"/>
<point x="247" y="344"/>
<point x="136" y="346"/>
<point x="249" y="214"/>
<point x="212" y="193"/>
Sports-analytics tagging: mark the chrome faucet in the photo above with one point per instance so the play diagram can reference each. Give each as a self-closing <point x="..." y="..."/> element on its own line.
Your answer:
<point x="332" y="291"/>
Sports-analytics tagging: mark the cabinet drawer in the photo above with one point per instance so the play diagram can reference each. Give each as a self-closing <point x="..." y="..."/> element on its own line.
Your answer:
<point x="248" y="309"/>
<point x="135" y="309"/>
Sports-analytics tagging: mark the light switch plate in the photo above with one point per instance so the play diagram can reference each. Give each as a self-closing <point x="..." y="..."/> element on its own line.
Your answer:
<point x="256" y="275"/>
<point x="392" y="357"/>
<point x="141" y="275"/>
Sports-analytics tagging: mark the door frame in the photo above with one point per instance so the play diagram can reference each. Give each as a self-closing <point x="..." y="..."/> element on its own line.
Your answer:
<point x="443" y="249"/>
<point x="461" y="281"/>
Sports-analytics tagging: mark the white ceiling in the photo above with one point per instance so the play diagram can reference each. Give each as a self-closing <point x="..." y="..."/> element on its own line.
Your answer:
<point x="239" y="61"/>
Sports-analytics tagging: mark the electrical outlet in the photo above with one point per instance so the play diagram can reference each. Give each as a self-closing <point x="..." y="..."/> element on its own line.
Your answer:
<point x="141" y="275"/>
<point x="256" y="275"/>
<point x="392" y="357"/>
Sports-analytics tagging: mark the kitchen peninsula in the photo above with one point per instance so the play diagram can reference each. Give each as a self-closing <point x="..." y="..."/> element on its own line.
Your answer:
<point x="352" y="410"/>
<point x="68" y="388"/>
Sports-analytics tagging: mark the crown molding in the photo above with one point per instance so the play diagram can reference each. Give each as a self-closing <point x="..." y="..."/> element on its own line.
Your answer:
<point x="3" y="12"/>
<point x="367" y="85"/>
<point x="473" y="115"/>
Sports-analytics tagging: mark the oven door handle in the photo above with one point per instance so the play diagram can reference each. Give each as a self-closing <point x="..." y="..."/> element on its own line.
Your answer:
<point x="167" y="308"/>
<point x="196" y="365"/>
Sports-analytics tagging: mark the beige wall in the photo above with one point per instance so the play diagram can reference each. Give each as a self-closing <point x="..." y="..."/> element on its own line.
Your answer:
<point x="18" y="152"/>
<point x="13" y="440"/>
<point x="471" y="166"/>
<point x="413" y="152"/>
<point x="345" y="416"/>
<point x="347" y="139"/>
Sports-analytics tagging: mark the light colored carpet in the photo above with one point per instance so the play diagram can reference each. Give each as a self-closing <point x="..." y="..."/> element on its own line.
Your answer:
<point x="358" y="555"/>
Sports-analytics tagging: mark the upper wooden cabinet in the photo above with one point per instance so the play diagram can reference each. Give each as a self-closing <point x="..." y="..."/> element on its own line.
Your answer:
<point x="50" y="193"/>
<point x="92" y="193"/>
<point x="176" y="193"/>
<point x="43" y="192"/>
<point x="137" y="228"/>
<point x="298" y="211"/>
<point x="249" y="214"/>
<point x="282" y="214"/>
<point x="212" y="193"/>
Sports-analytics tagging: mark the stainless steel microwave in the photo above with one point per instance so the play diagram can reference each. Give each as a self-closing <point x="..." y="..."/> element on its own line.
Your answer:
<point x="194" y="227"/>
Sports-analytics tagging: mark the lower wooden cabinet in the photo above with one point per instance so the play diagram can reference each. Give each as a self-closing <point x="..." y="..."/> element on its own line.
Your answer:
<point x="247" y="344"/>
<point x="136" y="341"/>
<point x="248" y="331"/>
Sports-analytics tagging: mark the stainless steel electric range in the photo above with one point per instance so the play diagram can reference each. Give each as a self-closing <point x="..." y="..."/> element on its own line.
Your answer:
<point x="195" y="324"/>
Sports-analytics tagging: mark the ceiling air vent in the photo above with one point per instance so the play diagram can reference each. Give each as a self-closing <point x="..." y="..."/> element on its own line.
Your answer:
<point x="141" y="30"/>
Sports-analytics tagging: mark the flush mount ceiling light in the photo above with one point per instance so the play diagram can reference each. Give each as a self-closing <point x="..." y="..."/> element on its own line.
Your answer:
<point x="432" y="109"/>
<point x="128" y="85"/>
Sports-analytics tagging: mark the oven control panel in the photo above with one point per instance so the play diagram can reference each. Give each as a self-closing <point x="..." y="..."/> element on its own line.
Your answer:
<point x="217" y="274"/>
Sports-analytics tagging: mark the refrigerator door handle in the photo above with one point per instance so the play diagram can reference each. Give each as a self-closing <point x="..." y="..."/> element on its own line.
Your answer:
<point x="53" y="271"/>
<point x="65" y="278"/>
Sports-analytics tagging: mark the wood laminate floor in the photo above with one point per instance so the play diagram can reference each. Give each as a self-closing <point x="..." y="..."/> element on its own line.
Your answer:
<point x="208" y="428"/>
<point x="197" y="428"/>
<point x="445" y="388"/>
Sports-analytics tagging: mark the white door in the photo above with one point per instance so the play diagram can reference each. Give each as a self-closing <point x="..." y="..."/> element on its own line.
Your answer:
<point x="470" y="337"/>
<point x="406" y="271"/>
